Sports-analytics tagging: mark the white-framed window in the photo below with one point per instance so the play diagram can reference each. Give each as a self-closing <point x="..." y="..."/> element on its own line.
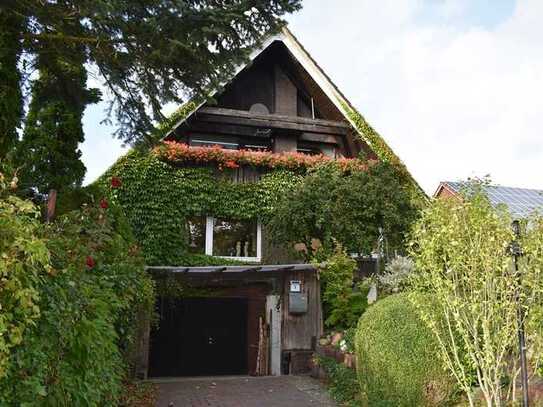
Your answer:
<point x="227" y="238"/>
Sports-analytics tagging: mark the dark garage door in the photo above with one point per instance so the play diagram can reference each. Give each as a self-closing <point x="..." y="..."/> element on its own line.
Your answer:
<point x="199" y="336"/>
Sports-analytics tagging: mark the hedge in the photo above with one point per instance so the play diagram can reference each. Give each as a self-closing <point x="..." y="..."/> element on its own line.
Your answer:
<point x="397" y="361"/>
<point x="71" y="294"/>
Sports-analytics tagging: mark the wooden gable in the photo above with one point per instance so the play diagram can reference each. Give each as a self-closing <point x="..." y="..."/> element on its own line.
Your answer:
<point x="272" y="103"/>
<point x="283" y="99"/>
<point x="274" y="84"/>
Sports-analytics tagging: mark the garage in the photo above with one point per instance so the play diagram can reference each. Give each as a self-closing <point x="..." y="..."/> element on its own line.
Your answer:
<point x="199" y="337"/>
<point x="239" y="320"/>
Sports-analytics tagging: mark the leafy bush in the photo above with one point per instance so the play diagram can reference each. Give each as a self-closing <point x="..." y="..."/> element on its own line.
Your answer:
<point x="24" y="262"/>
<point x="349" y="337"/>
<point x="397" y="361"/>
<point x="342" y="382"/>
<point x="83" y="280"/>
<point x="396" y="274"/>
<point x="463" y="258"/>
<point x="331" y="205"/>
<point x="342" y="305"/>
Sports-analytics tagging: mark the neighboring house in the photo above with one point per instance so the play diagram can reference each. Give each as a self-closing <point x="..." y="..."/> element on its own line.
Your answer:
<point x="522" y="202"/>
<point x="263" y="318"/>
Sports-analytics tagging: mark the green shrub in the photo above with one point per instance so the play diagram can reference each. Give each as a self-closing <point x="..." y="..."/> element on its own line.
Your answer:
<point x="342" y="383"/>
<point x="73" y="291"/>
<point x="342" y="305"/>
<point x="332" y="205"/>
<point x="24" y="262"/>
<point x="397" y="360"/>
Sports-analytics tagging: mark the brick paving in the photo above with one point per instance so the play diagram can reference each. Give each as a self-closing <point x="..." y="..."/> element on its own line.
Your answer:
<point x="282" y="391"/>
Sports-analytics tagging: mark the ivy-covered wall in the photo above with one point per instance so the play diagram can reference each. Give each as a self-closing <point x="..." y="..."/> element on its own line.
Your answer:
<point x="157" y="197"/>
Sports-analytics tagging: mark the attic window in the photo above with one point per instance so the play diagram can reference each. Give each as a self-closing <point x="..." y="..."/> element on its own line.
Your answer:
<point x="316" y="149"/>
<point x="228" y="143"/>
<point x="256" y="145"/>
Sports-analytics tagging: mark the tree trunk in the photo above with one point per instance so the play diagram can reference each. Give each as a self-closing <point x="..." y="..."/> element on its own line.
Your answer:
<point x="51" y="205"/>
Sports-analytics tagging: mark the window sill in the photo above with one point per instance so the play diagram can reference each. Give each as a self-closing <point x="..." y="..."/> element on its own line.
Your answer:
<point x="245" y="259"/>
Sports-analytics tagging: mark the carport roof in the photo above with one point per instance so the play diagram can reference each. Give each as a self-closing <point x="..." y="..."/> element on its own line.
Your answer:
<point x="233" y="269"/>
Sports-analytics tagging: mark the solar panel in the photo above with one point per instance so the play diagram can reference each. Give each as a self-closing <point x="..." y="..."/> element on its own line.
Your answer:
<point x="521" y="202"/>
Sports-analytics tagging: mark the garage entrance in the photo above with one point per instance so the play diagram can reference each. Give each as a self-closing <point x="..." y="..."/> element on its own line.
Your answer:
<point x="199" y="337"/>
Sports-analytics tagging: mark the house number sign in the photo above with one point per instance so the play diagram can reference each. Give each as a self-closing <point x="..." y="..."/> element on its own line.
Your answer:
<point x="295" y="286"/>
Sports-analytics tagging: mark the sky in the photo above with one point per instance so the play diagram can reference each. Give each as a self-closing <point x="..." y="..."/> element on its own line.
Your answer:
<point x="455" y="87"/>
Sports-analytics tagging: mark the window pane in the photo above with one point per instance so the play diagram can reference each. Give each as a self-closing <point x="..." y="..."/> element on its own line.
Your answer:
<point x="196" y="227"/>
<point x="234" y="238"/>
<point x="203" y="140"/>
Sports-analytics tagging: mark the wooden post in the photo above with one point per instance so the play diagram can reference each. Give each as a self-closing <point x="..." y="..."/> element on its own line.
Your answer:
<point x="51" y="205"/>
<point x="274" y="312"/>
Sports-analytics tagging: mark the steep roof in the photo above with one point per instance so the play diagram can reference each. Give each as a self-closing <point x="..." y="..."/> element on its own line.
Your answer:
<point x="521" y="202"/>
<point x="365" y="133"/>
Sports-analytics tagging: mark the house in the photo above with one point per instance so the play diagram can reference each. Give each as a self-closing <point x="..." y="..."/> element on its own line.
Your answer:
<point x="521" y="202"/>
<point x="253" y="308"/>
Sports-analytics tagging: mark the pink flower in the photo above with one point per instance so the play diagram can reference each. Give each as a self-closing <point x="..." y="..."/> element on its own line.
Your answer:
<point x="103" y="203"/>
<point x="181" y="152"/>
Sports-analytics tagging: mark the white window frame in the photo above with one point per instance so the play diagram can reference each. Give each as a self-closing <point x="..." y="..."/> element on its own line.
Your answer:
<point x="210" y="222"/>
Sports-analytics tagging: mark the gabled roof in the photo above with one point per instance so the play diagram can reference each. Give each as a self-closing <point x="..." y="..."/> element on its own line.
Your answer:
<point x="361" y="128"/>
<point x="522" y="202"/>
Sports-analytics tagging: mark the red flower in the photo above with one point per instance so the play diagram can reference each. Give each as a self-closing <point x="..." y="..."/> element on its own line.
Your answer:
<point x="103" y="203"/>
<point x="181" y="152"/>
<point x="231" y="164"/>
<point x="115" y="182"/>
<point x="90" y="262"/>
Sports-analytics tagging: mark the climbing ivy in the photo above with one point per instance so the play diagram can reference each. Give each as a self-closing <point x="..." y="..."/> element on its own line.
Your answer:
<point x="158" y="197"/>
<point x="162" y="129"/>
<point x="161" y="189"/>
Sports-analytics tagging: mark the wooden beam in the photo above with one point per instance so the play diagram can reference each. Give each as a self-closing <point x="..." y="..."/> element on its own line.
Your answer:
<point x="248" y="269"/>
<point x="223" y="128"/>
<point x="244" y="118"/>
<point x="319" y="138"/>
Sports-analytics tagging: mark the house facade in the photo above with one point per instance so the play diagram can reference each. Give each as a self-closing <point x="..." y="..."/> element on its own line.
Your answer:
<point x="246" y="306"/>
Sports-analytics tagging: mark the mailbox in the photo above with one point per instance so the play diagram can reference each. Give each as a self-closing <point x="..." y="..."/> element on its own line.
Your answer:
<point x="297" y="300"/>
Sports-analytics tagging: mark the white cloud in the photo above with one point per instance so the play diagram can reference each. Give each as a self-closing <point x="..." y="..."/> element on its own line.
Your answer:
<point x="99" y="150"/>
<point x="452" y="101"/>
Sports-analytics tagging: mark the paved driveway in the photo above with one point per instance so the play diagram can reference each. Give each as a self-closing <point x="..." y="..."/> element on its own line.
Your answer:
<point x="282" y="391"/>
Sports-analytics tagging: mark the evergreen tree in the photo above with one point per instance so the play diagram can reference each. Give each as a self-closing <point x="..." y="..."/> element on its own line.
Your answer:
<point x="11" y="101"/>
<point x="150" y="52"/>
<point x="49" y="153"/>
